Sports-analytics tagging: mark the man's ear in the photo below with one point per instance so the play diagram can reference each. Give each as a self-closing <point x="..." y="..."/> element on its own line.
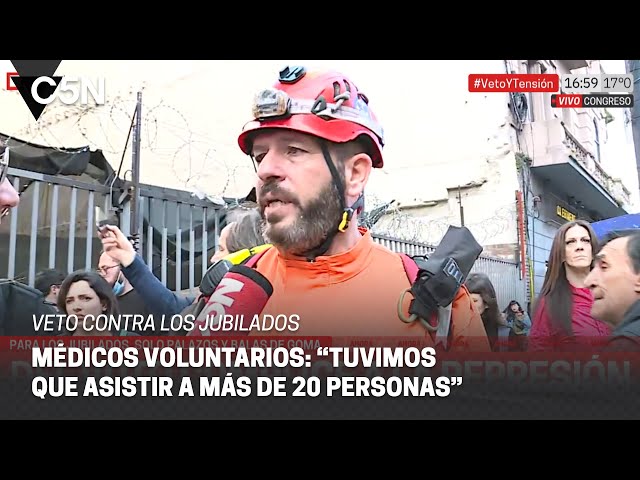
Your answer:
<point x="357" y="171"/>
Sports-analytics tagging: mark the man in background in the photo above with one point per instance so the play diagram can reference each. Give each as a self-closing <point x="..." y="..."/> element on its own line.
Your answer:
<point x="48" y="282"/>
<point x="18" y="302"/>
<point x="129" y="301"/>
<point x="615" y="284"/>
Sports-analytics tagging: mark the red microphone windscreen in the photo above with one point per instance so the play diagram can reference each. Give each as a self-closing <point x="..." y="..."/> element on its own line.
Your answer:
<point x="242" y="293"/>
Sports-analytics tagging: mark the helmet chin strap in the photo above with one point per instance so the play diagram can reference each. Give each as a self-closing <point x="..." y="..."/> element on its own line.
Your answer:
<point x="347" y="212"/>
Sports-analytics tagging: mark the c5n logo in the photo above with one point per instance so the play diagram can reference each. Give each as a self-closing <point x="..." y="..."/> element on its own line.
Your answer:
<point x="38" y="86"/>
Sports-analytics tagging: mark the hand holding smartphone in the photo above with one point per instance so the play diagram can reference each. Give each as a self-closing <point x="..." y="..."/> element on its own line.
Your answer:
<point x="102" y="220"/>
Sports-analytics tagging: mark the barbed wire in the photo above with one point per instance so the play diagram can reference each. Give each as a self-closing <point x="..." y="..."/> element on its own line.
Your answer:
<point x="398" y="223"/>
<point x="195" y="161"/>
<point x="192" y="159"/>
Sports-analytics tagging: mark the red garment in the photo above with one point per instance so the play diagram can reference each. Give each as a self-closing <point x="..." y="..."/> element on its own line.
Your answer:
<point x="586" y="329"/>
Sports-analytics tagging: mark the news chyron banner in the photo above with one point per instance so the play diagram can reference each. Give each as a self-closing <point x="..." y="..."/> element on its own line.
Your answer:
<point x="568" y="90"/>
<point x="292" y="377"/>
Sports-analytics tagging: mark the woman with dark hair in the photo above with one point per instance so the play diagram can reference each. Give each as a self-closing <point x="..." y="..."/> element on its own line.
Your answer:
<point x="519" y="324"/>
<point x="562" y="315"/>
<point x="87" y="296"/>
<point x="483" y="295"/>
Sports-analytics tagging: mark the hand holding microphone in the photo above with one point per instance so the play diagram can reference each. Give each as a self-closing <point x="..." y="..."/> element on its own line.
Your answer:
<point x="241" y="294"/>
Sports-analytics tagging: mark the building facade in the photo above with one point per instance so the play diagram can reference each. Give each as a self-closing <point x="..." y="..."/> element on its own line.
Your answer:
<point x="563" y="171"/>
<point x="543" y="167"/>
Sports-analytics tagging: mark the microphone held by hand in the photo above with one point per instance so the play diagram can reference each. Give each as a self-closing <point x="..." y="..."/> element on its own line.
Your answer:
<point x="441" y="275"/>
<point x="241" y="294"/>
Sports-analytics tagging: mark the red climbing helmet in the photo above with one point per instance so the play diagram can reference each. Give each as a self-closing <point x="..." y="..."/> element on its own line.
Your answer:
<point x="325" y="104"/>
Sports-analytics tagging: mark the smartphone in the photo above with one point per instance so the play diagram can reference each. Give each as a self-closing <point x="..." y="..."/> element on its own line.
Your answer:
<point x="103" y="218"/>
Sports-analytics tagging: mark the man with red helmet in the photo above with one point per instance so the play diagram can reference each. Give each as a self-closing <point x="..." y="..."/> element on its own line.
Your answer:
<point x="314" y="140"/>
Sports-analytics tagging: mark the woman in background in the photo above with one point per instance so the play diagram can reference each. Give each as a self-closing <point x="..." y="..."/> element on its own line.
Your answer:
<point x="246" y="232"/>
<point x="520" y="325"/>
<point x="87" y="295"/>
<point x="483" y="295"/>
<point x="562" y="315"/>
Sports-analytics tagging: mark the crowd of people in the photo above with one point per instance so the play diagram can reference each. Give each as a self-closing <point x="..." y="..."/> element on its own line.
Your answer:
<point x="314" y="141"/>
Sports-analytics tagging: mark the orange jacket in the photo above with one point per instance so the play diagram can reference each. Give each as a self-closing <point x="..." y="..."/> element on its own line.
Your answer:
<point x="356" y="293"/>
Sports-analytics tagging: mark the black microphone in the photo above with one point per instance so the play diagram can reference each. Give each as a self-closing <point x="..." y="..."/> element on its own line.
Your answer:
<point x="241" y="294"/>
<point x="441" y="275"/>
<point x="213" y="276"/>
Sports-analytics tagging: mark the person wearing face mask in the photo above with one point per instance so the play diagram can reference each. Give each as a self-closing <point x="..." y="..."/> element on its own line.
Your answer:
<point x="129" y="300"/>
<point x="242" y="232"/>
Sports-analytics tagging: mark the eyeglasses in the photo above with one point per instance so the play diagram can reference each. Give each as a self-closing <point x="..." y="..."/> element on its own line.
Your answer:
<point x="272" y="104"/>
<point x="104" y="270"/>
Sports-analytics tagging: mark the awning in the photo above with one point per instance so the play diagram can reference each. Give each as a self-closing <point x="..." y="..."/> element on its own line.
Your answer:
<point x="572" y="179"/>
<point x="623" y="222"/>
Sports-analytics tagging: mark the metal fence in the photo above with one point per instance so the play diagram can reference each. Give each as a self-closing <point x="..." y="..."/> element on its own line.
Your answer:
<point x="504" y="274"/>
<point x="55" y="227"/>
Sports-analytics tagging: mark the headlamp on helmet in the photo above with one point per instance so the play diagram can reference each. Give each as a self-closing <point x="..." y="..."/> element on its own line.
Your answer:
<point x="323" y="104"/>
<point x="271" y="103"/>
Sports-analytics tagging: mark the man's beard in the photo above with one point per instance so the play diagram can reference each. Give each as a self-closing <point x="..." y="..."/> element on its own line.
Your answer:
<point x="312" y="225"/>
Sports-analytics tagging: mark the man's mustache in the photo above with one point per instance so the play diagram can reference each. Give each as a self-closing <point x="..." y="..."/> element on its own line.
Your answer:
<point x="275" y="190"/>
